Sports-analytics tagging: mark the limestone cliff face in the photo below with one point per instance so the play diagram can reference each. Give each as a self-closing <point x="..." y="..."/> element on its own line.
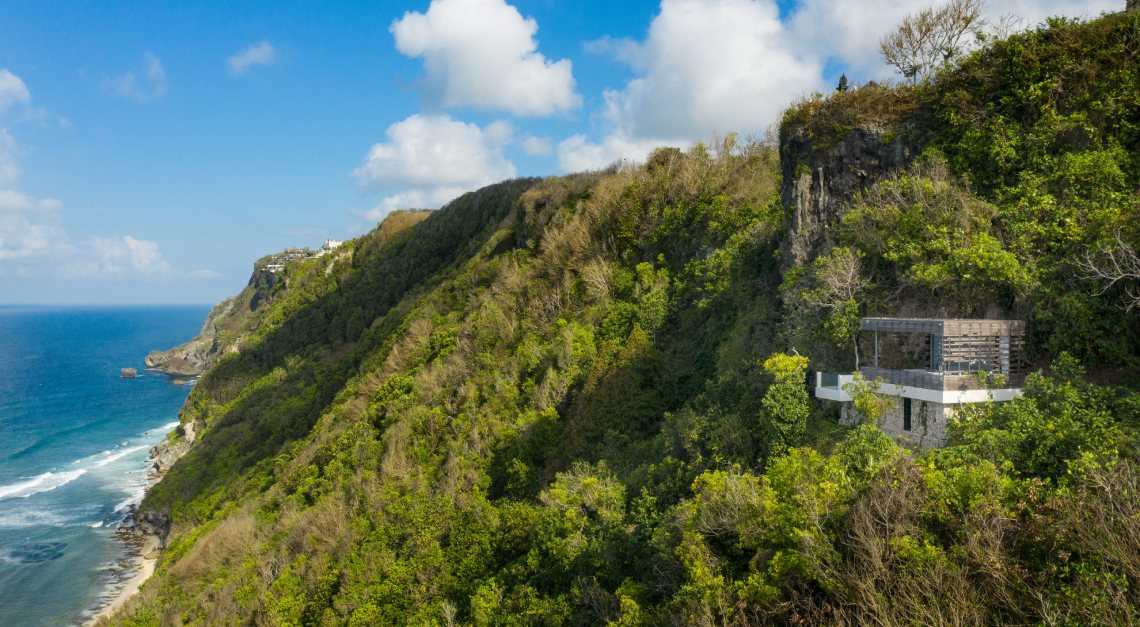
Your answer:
<point x="225" y="326"/>
<point x="192" y="358"/>
<point x="819" y="181"/>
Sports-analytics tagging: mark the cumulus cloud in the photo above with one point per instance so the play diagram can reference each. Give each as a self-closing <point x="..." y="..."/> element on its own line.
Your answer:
<point x="147" y="87"/>
<point x="482" y="53"/>
<point x="706" y="67"/>
<point x="577" y="153"/>
<point x="12" y="90"/>
<point x="709" y="67"/>
<point x="536" y="146"/>
<point x="33" y="241"/>
<point x="11" y="200"/>
<point x="119" y="256"/>
<point x="258" y="54"/>
<point x="428" y="160"/>
<point x="27" y="236"/>
<point x="849" y="31"/>
<point x="9" y="171"/>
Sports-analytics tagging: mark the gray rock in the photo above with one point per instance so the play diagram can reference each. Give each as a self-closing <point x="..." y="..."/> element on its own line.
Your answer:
<point x="819" y="182"/>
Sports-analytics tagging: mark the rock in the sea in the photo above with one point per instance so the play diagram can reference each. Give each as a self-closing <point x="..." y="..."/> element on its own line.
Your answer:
<point x="129" y="373"/>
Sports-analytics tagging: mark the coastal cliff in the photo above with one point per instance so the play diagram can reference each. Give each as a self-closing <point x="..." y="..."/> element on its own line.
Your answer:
<point x="230" y="321"/>
<point x="573" y="399"/>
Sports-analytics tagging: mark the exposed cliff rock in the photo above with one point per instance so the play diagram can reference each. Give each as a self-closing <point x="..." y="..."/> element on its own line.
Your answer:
<point x="832" y="148"/>
<point x="163" y="455"/>
<point x="228" y="322"/>
<point x="192" y="358"/>
<point x="818" y="181"/>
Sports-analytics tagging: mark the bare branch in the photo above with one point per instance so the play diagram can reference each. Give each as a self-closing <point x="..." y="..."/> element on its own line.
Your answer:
<point x="1112" y="263"/>
<point x="932" y="38"/>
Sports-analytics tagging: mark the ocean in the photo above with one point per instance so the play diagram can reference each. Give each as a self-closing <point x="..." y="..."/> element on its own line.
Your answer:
<point x="74" y="444"/>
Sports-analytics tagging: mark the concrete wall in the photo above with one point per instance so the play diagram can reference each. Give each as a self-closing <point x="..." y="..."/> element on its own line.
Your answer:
<point x="928" y="422"/>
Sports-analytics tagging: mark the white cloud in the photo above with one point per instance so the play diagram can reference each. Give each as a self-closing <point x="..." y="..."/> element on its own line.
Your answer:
<point x="536" y="146"/>
<point x="577" y="153"/>
<point x="9" y="171"/>
<point x="707" y="67"/>
<point x="848" y="31"/>
<point x="12" y="90"/>
<point x="429" y="160"/>
<point x="482" y="53"/>
<point x="33" y="242"/>
<point x="11" y="200"/>
<point x="23" y="237"/>
<point x="712" y="67"/>
<point x="110" y="257"/>
<point x="151" y="86"/>
<point x="258" y="54"/>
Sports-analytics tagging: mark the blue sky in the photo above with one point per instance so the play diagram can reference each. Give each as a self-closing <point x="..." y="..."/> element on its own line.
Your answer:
<point x="150" y="152"/>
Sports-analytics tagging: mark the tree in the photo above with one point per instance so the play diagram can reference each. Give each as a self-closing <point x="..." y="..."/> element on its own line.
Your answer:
<point x="1116" y="262"/>
<point x="932" y="38"/>
<point x="868" y="399"/>
<point x="827" y="293"/>
<point x="785" y="404"/>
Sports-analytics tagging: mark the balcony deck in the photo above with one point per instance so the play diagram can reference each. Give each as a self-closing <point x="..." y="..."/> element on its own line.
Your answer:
<point x="936" y="380"/>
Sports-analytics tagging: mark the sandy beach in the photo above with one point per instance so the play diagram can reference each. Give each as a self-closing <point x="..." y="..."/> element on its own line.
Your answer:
<point x="146" y="559"/>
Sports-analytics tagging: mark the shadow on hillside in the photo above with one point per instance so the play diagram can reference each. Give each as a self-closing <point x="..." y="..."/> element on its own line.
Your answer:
<point x="619" y="419"/>
<point x="300" y="367"/>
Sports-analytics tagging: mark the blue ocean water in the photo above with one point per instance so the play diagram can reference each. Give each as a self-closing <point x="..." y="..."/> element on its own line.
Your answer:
<point x="74" y="444"/>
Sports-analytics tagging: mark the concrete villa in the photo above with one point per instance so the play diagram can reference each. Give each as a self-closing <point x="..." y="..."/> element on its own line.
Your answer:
<point x="942" y="363"/>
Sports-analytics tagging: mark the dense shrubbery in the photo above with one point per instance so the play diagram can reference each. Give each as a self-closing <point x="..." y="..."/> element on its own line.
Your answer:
<point x="564" y="401"/>
<point x="1031" y="165"/>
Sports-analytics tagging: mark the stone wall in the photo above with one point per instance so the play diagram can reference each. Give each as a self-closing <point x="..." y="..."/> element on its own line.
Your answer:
<point x="928" y="422"/>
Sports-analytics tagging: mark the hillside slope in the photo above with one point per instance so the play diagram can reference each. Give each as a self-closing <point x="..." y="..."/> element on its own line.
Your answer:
<point x="564" y="400"/>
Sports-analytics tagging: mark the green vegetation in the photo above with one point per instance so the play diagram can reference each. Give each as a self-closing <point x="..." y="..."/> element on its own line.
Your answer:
<point x="566" y="401"/>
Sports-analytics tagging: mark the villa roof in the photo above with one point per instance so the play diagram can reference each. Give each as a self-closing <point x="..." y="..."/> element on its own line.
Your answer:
<point x="944" y="326"/>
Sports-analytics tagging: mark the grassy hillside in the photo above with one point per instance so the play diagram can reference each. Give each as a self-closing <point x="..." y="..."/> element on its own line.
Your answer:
<point x="565" y="400"/>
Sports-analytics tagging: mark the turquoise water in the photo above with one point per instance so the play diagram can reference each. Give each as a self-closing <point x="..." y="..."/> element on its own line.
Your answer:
<point x="74" y="442"/>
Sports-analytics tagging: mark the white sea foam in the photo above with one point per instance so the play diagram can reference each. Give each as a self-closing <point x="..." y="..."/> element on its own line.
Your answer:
<point x="136" y="497"/>
<point x="40" y="483"/>
<point x="21" y="518"/>
<point x="119" y="455"/>
<point x="169" y="426"/>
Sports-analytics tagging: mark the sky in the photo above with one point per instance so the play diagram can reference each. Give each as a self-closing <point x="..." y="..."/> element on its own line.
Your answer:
<point x="150" y="152"/>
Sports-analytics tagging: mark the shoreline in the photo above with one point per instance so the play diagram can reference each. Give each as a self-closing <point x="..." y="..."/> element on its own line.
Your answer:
<point x="145" y="551"/>
<point x="142" y="547"/>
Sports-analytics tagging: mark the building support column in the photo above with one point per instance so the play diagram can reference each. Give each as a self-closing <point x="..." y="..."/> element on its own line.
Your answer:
<point x="876" y="362"/>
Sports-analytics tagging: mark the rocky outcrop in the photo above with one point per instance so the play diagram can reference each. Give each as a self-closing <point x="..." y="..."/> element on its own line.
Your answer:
<point x="228" y="322"/>
<point x="192" y="358"/>
<point x="819" y="181"/>
<point x="162" y="457"/>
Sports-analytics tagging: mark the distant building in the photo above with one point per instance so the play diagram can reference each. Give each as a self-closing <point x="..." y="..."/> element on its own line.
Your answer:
<point x="329" y="246"/>
<point x="964" y="361"/>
